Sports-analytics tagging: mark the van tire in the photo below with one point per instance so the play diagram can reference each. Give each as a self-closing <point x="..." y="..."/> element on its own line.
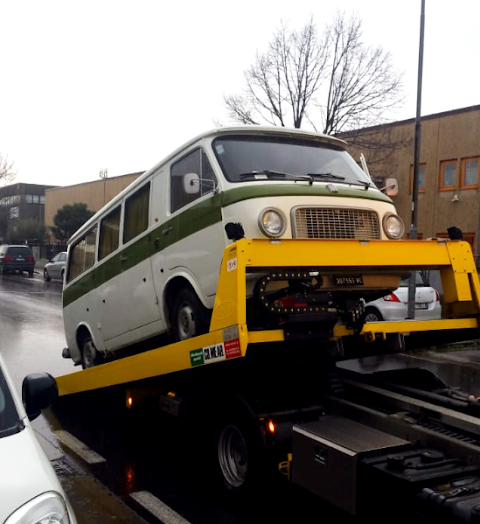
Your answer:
<point x="90" y="356"/>
<point x="189" y="316"/>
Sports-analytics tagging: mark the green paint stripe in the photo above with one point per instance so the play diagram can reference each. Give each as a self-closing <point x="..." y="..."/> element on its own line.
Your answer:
<point x="201" y="216"/>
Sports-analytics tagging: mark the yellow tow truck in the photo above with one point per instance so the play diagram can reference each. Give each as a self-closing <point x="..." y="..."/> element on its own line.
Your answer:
<point x="300" y="398"/>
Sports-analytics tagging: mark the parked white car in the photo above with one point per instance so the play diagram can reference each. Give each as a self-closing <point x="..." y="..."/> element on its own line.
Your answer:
<point x="55" y="268"/>
<point x="30" y="490"/>
<point x="395" y="305"/>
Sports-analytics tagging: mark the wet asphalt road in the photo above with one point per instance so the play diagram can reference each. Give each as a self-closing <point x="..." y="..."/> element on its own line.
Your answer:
<point x="140" y="453"/>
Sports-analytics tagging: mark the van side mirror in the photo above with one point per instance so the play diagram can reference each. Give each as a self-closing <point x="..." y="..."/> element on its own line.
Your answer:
<point x="191" y="183"/>
<point x="39" y="390"/>
<point x="391" y="187"/>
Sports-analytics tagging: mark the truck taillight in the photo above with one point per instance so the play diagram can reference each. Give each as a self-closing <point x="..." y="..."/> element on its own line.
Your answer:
<point x="391" y="298"/>
<point x="271" y="427"/>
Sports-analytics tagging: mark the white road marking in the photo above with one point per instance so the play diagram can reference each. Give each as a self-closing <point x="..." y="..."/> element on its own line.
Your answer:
<point x="78" y="447"/>
<point x="158" y="508"/>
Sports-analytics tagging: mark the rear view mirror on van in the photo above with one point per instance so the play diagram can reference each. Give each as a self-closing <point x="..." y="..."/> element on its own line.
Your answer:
<point x="191" y="183"/>
<point x="391" y="187"/>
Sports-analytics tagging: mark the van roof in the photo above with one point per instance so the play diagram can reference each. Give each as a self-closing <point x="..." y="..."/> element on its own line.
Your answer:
<point x="219" y="131"/>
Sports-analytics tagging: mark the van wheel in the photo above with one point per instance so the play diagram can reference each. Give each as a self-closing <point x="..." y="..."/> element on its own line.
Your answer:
<point x="30" y="274"/>
<point x="90" y="355"/>
<point x="189" y="316"/>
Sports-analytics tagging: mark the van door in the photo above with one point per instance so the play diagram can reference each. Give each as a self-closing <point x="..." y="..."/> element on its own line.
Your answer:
<point x="130" y="304"/>
<point x="198" y="239"/>
<point x="113" y="309"/>
<point x="135" y="264"/>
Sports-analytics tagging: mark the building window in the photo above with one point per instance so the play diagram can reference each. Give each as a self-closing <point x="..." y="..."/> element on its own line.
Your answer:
<point x="469" y="175"/>
<point x="14" y="212"/>
<point x="448" y="169"/>
<point x="29" y="199"/>
<point x="42" y="199"/>
<point x="421" y="178"/>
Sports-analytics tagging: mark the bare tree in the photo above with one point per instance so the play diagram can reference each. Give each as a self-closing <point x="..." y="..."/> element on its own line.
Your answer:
<point x="362" y="83"/>
<point x="281" y="83"/>
<point x="333" y="80"/>
<point x="7" y="174"/>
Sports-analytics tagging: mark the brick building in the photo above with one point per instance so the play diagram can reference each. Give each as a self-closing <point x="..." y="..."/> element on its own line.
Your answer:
<point x="449" y="171"/>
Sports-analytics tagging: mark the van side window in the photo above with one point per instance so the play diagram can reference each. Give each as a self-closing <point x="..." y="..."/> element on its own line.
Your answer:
<point x="194" y="162"/>
<point x="90" y="241"/>
<point x="136" y="213"/>
<point x="109" y="233"/>
<point x="82" y="255"/>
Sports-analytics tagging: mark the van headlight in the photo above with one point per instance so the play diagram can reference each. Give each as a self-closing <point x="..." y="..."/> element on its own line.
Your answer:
<point x="393" y="226"/>
<point x="271" y="222"/>
<point x="49" y="508"/>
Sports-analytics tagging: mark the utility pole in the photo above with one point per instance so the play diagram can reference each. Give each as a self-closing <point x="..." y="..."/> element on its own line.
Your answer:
<point x="416" y="161"/>
<point x="103" y="173"/>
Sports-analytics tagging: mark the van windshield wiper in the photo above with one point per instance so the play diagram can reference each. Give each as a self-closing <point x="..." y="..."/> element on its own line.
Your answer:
<point x="270" y="173"/>
<point x="326" y="175"/>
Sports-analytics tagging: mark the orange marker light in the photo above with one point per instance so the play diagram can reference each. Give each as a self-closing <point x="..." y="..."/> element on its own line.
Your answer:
<point x="271" y="427"/>
<point x="129" y="402"/>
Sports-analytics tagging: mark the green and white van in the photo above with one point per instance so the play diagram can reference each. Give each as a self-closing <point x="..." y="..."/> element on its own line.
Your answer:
<point x="148" y="262"/>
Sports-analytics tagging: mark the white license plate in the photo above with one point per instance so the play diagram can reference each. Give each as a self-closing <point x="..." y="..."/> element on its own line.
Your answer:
<point x="421" y="306"/>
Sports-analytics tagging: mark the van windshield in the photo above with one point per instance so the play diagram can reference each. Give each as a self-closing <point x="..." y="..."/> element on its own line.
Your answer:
<point x="255" y="158"/>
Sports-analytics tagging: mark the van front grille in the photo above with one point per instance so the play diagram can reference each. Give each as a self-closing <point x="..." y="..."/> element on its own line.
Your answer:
<point x="324" y="222"/>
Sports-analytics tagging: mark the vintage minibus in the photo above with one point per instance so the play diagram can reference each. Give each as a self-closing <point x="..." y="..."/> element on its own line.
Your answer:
<point x="148" y="262"/>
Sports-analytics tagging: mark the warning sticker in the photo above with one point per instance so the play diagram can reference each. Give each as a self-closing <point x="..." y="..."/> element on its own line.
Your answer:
<point x="232" y="348"/>
<point x="232" y="264"/>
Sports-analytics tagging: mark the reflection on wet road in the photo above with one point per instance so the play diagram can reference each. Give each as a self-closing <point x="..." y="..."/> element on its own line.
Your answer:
<point x="31" y="326"/>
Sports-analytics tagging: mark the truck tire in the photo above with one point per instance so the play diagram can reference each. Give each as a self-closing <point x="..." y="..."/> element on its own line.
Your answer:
<point x="189" y="316"/>
<point x="90" y="355"/>
<point x="237" y="452"/>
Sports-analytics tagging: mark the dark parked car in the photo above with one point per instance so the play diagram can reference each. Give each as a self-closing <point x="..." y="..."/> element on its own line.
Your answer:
<point x="16" y="258"/>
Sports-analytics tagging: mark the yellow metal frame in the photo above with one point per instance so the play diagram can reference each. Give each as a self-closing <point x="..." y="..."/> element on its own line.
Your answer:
<point x="229" y="336"/>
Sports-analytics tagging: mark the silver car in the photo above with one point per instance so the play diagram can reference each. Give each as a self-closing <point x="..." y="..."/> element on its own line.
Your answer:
<point x="56" y="267"/>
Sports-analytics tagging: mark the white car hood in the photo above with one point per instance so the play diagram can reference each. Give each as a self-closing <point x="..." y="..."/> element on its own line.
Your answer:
<point x="26" y="471"/>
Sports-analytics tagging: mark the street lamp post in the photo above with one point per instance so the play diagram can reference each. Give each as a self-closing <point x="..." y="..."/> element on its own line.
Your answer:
<point x="416" y="161"/>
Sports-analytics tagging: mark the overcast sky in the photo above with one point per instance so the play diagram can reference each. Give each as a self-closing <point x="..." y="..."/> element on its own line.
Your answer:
<point x="89" y="85"/>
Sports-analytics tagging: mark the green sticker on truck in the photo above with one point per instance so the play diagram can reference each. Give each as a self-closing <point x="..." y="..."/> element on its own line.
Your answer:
<point x="208" y="354"/>
<point x="196" y="357"/>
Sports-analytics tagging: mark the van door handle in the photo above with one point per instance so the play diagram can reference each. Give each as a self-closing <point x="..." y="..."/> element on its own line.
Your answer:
<point x="123" y="258"/>
<point x="167" y="231"/>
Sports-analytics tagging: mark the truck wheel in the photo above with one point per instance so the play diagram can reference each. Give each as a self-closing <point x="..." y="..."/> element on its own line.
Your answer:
<point x="90" y="355"/>
<point x="373" y="315"/>
<point x="237" y="454"/>
<point x="189" y="316"/>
